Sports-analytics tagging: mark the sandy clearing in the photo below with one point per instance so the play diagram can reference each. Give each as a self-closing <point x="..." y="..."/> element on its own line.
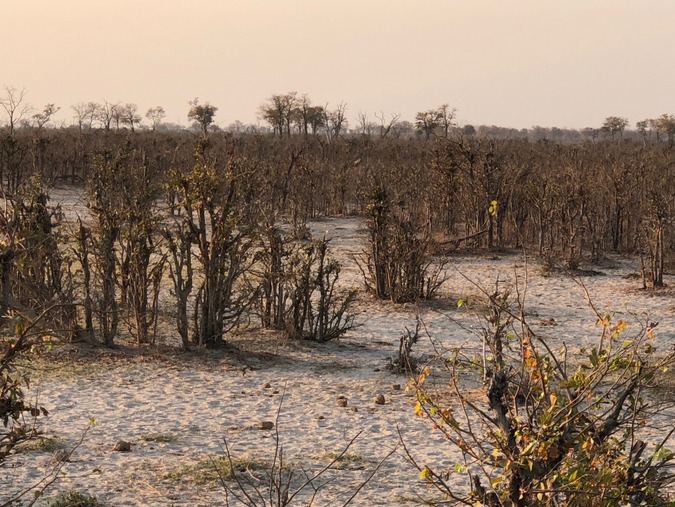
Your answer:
<point x="199" y="403"/>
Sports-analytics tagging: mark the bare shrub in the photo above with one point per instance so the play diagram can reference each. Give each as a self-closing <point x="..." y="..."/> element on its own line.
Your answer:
<point x="316" y="311"/>
<point x="34" y="271"/>
<point x="217" y="216"/>
<point x="398" y="263"/>
<point x="653" y="234"/>
<point x="272" y="279"/>
<point x="404" y="362"/>
<point x="141" y="262"/>
<point x="106" y="205"/>
<point x="298" y="290"/>
<point x="179" y="245"/>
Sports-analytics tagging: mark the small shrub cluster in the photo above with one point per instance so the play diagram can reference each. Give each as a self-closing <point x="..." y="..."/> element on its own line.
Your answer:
<point x="298" y="289"/>
<point x="398" y="263"/>
<point x="73" y="498"/>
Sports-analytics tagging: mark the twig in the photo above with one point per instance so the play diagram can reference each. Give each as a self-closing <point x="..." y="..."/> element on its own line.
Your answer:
<point x="39" y="487"/>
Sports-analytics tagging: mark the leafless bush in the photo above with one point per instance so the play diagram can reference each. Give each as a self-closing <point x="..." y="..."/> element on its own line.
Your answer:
<point x="215" y="214"/>
<point x="316" y="310"/>
<point x="34" y="272"/>
<point x="404" y="362"/>
<point x="398" y="262"/>
<point x="106" y="205"/>
<point x="141" y="261"/>
<point x="179" y="244"/>
<point x="271" y="278"/>
<point x="297" y="287"/>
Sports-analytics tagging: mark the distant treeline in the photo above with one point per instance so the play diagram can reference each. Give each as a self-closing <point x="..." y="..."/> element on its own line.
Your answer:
<point x="291" y="113"/>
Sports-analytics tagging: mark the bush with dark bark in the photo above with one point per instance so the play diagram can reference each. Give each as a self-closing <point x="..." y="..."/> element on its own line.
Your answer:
<point x="398" y="264"/>
<point x="298" y="291"/>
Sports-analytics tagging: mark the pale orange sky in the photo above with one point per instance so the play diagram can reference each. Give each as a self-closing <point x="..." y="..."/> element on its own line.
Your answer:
<point x="515" y="63"/>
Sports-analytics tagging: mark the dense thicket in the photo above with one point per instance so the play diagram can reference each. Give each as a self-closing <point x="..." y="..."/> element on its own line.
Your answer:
<point x="198" y="208"/>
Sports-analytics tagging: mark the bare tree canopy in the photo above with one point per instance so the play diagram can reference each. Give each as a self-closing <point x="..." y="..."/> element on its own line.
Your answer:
<point x="15" y="107"/>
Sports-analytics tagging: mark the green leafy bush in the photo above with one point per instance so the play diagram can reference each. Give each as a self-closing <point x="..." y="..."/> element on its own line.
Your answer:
<point x="73" y="498"/>
<point x="550" y="428"/>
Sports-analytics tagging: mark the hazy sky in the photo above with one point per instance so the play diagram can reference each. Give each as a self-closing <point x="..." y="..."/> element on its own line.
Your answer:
<point x="516" y="63"/>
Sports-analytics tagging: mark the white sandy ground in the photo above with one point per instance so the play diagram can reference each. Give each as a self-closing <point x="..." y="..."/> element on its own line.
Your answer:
<point x="199" y="399"/>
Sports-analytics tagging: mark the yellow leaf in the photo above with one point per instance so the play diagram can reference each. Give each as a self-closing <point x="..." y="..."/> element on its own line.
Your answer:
<point x="493" y="208"/>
